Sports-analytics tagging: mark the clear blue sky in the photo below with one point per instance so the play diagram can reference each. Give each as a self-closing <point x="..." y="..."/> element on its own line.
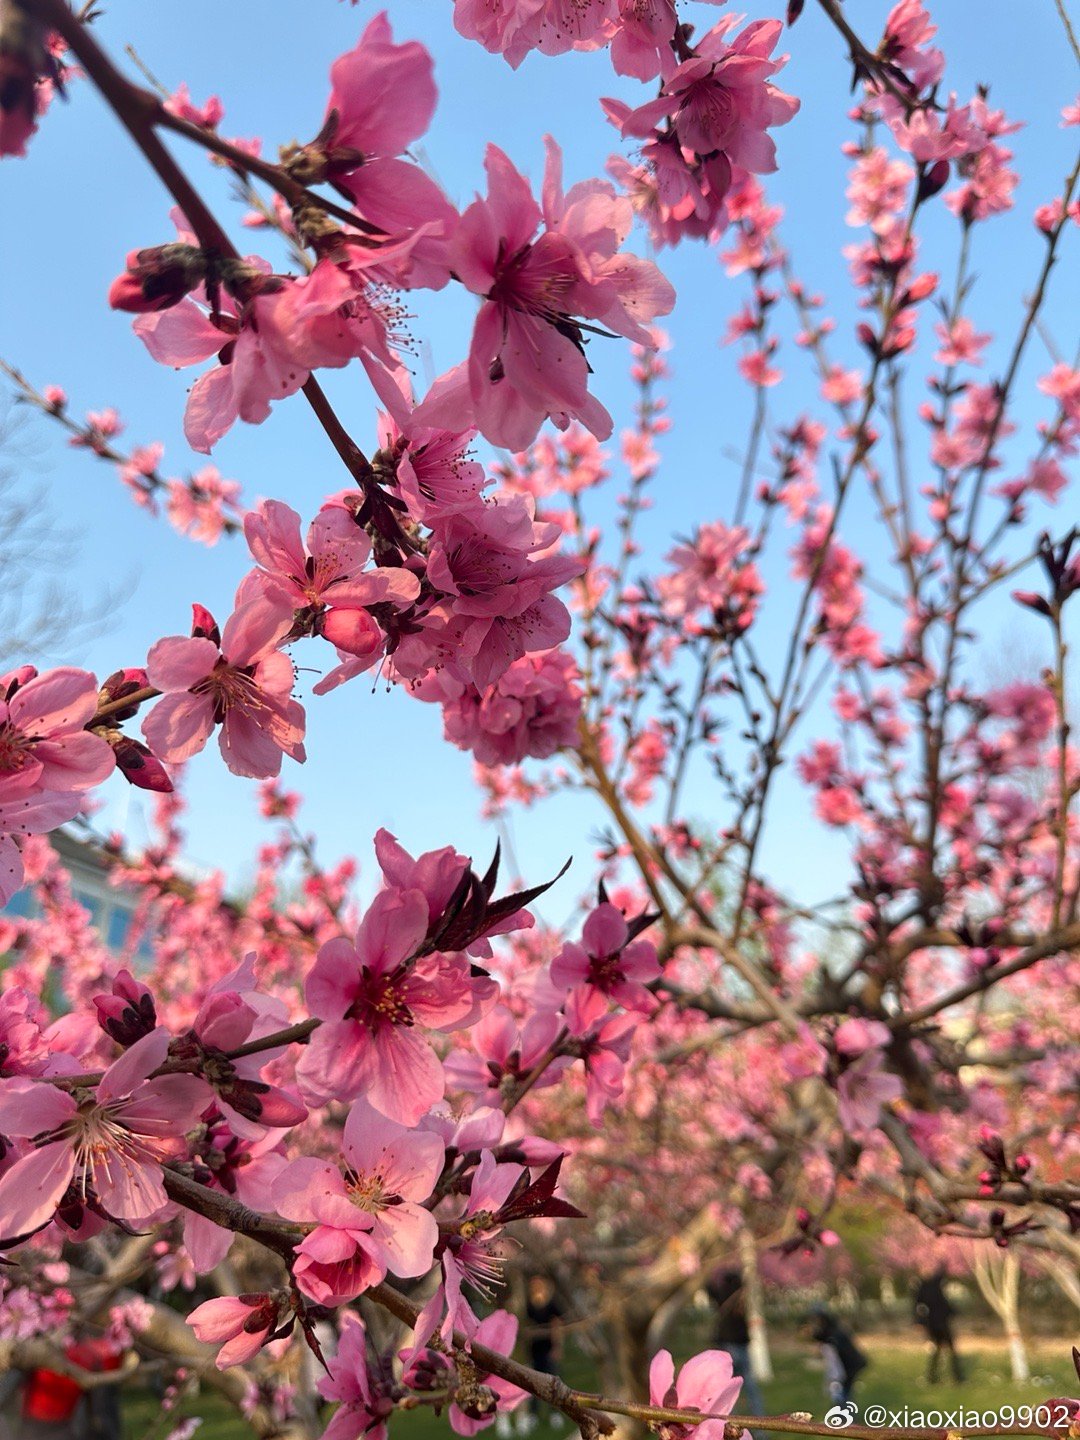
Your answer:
<point x="84" y="198"/>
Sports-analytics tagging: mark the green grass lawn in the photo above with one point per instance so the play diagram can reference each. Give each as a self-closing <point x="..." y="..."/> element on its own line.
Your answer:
<point x="894" y="1378"/>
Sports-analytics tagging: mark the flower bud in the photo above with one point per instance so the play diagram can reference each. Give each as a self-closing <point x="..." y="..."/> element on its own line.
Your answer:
<point x="128" y="1013"/>
<point x="353" y="631"/>
<point x="933" y="180"/>
<point x="158" y="277"/>
<point x="139" y="765"/>
<point x="243" y="1322"/>
<point x="119" y="684"/>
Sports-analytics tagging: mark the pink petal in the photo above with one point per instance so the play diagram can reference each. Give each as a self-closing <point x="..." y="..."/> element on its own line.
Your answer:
<point x="29" y="1108"/>
<point x="60" y="700"/>
<point x="134" y="1066"/>
<point x="179" y="661"/>
<point x="31" y="1190"/>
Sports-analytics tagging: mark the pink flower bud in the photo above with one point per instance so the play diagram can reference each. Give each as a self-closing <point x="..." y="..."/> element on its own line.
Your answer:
<point x="353" y="631"/>
<point x="157" y="278"/>
<point x="128" y="1013"/>
<point x="139" y="766"/>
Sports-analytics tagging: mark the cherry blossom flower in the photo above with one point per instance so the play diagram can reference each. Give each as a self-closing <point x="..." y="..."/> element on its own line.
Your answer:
<point x="721" y="100"/>
<point x="501" y="1052"/>
<point x="487" y="564"/>
<point x="112" y="1142"/>
<point x="371" y="997"/>
<point x="356" y="1382"/>
<point x="527" y="359"/>
<point x="22" y="814"/>
<point x="705" y="1384"/>
<point x="862" y="1089"/>
<point x="330" y="576"/>
<point x="533" y="709"/>
<point x="606" y="968"/>
<point x="498" y="1332"/>
<point x="391" y="1171"/>
<point x="382" y="99"/>
<point x="242" y="683"/>
<point x="244" y="1169"/>
<point x="43" y="741"/>
<point x="341" y="1257"/>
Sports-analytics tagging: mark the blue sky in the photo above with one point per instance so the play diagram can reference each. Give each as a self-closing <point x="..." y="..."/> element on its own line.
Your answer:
<point x="84" y="198"/>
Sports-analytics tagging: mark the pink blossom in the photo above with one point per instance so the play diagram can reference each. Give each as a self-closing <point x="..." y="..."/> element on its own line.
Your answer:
<point x="487" y="564"/>
<point x="705" y="1384"/>
<point x="527" y="360"/>
<point x="498" y="1332"/>
<point x="960" y="343"/>
<point x="606" y="968"/>
<point x="605" y="1050"/>
<point x="340" y="1258"/>
<point x="244" y="1169"/>
<point x="533" y="710"/>
<point x="382" y="99"/>
<point x="208" y="115"/>
<point x="114" y="1143"/>
<point x="25" y="813"/>
<point x="371" y="998"/>
<point x="242" y="682"/>
<point x="856" y="1035"/>
<point x="714" y="572"/>
<point x="391" y="1171"/>
<point x="721" y="101"/>
<point x="23" y="1049"/>
<point x="356" y="1381"/>
<point x="43" y="741"/>
<point x="862" y="1089"/>
<point x="502" y="1051"/>
<point x="268" y="345"/>
<point x="328" y="577"/>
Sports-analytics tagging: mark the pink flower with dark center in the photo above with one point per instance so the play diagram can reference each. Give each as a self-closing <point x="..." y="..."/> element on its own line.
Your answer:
<point x="390" y="1171"/>
<point x="721" y="101"/>
<point x="43" y="741"/>
<point x="527" y="359"/>
<point x="111" y="1140"/>
<point x="605" y="970"/>
<point x="242" y="683"/>
<point x="293" y="582"/>
<point x="371" y="998"/>
<point x="862" y="1089"/>
<point x="504" y="1052"/>
<point x="604" y="1050"/>
<point x="487" y="563"/>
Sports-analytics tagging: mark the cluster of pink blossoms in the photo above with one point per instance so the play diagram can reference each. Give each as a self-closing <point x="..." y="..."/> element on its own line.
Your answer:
<point x="707" y="129"/>
<point x="417" y="1186"/>
<point x="540" y="293"/>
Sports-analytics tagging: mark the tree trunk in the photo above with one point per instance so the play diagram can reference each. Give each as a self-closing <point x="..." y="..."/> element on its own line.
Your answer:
<point x="760" y="1359"/>
<point x="999" y="1280"/>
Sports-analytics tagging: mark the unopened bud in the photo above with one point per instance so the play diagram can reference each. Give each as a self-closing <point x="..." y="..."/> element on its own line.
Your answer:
<point x="353" y="631"/>
<point x="158" y="278"/>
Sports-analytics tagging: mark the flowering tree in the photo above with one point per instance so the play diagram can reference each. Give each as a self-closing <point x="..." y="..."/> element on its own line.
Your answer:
<point x="342" y="1113"/>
